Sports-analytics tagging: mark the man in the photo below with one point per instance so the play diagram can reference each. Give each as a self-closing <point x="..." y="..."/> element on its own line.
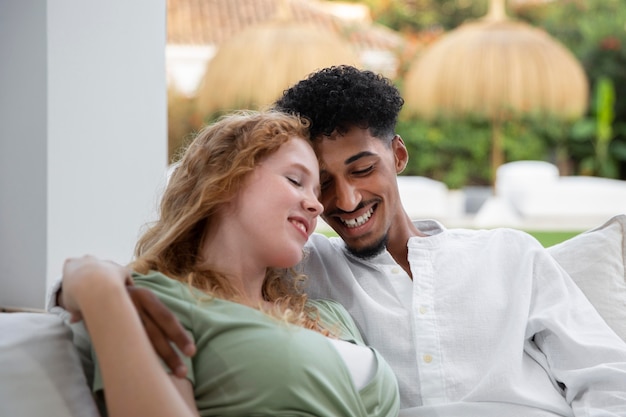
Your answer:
<point x="478" y="323"/>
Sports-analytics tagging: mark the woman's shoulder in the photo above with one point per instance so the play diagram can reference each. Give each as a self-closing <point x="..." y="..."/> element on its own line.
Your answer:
<point x="336" y="317"/>
<point x="327" y="305"/>
<point x="158" y="282"/>
<point x="176" y="295"/>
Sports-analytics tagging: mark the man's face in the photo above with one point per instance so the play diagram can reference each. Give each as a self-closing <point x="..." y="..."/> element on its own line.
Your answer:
<point x="359" y="189"/>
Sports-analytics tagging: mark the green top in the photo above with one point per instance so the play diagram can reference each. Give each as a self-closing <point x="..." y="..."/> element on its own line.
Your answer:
<point x="250" y="364"/>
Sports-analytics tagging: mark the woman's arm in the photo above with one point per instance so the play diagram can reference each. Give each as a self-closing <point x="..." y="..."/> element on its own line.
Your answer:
<point x="134" y="379"/>
<point x="161" y="325"/>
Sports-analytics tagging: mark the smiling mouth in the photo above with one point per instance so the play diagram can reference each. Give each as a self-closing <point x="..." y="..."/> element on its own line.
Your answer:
<point x="300" y="226"/>
<point x="359" y="221"/>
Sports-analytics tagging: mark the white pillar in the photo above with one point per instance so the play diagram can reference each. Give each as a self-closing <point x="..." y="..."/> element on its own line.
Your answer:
<point x="83" y="135"/>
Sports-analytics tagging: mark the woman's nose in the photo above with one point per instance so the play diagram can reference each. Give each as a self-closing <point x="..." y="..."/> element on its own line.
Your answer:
<point x="313" y="205"/>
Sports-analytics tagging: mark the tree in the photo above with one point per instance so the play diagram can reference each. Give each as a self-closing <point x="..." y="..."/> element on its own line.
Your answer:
<point x="594" y="31"/>
<point x="409" y="16"/>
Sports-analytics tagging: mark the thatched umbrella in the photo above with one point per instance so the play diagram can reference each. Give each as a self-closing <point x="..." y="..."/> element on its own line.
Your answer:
<point x="252" y="69"/>
<point x="495" y="67"/>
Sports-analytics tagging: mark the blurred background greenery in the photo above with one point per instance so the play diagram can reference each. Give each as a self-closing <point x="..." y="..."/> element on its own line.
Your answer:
<point x="457" y="150"/>
<point x="593" y="30"/>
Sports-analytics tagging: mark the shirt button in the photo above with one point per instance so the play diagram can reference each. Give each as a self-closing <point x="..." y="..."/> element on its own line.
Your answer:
<point x="423" y="310"/>
<point x="395" y="270"/>
<point x="427" y="358"/>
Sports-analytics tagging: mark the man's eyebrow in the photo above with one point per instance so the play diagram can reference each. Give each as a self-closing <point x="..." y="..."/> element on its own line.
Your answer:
<point x="358" y="156"/>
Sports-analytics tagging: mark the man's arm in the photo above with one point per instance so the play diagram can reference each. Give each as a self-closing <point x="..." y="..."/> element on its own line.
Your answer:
<point x="581" y="351"/>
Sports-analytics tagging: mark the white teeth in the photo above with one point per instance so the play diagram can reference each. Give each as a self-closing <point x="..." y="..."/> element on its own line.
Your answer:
<point x="359" y="220"/>
<point x="299" y="225"/>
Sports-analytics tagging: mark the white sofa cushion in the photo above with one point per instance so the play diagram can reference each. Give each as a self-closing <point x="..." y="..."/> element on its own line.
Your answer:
<point x="595" y="261"/>
<point x="40" y="369"/>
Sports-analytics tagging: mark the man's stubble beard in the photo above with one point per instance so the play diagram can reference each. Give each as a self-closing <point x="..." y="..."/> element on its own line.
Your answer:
<point x="371" y="250"/>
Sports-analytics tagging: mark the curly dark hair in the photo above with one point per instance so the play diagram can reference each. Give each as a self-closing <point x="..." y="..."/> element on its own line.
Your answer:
<point x="340" y="97"/>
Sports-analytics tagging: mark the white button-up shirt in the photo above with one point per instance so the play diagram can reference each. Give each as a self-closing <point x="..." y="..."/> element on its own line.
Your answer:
<point x="490" y="325"/>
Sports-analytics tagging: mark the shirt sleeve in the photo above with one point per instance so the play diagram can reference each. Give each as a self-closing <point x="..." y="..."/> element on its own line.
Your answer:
<point x="335" y="316"/>
<point x="570" y="339"/>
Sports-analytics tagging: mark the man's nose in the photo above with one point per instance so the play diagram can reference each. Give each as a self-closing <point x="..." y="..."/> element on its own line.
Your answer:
<point x="348" y="197"/>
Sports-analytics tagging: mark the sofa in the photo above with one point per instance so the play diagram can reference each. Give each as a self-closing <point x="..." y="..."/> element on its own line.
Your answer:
<point x="41" y="367"/>
<point x="535" y="193"/>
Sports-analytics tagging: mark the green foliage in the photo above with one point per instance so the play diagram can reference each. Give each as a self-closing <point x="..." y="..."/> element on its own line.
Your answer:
<point x="417" y="15"/>
<point x="594" y="30"/>
<point x="457" y="151"/>
<point x="598" y="130"/>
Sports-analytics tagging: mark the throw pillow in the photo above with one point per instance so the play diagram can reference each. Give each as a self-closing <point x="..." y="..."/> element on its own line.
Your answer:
<point x="595" y="261"/>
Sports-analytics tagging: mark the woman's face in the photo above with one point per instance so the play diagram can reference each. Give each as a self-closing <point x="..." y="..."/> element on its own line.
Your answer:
<point x="277" y="208"/>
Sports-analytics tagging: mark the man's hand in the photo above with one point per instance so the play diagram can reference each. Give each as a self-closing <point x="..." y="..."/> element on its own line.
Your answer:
<point x="162" y="327"/>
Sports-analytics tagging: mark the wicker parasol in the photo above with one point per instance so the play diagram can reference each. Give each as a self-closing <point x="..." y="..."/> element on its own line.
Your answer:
<point x="494" y="67"/>
<point x="252" y="69"/>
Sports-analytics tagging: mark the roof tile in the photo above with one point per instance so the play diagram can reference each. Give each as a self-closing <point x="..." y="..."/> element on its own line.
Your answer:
<point x="201" y="22"/>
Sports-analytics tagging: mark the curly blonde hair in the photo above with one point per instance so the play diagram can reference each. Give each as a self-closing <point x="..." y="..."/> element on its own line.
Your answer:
<point x="210" y="173"/>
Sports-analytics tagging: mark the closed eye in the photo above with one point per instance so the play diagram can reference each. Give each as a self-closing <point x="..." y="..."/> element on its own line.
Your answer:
<point x="294" y="181"/>
<point x="364" y="171"/>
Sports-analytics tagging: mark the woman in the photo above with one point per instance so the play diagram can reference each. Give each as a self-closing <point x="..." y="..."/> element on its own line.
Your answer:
<point x="236" y="214"/>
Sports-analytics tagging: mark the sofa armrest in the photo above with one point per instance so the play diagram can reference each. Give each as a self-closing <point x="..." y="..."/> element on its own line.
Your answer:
<point x="40" y="371"/>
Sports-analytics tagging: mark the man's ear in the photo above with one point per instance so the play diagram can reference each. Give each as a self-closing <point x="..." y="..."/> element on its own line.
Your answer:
<point x="400" y="153"/>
